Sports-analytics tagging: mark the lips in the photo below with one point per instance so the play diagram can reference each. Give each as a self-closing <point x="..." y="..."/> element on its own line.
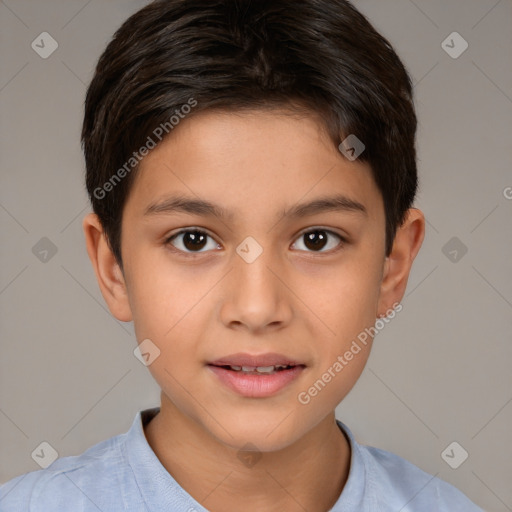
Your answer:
<point x="256" y="376"/>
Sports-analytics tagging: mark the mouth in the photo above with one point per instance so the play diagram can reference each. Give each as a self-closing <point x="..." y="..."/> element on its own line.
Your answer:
<point x="256" y="376"/>
<point x="257" y="370"/>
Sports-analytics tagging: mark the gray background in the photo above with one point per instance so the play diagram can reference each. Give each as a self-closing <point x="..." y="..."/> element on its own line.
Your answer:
<point x="439" y="372"/>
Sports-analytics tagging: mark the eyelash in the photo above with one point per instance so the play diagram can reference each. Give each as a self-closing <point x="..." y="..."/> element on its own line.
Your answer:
<point x="341" y="244"/>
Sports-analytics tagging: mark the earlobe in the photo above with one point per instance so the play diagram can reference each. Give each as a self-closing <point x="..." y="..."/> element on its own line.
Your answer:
<point x="397" y="267"/>
<point x="108" y="273"/>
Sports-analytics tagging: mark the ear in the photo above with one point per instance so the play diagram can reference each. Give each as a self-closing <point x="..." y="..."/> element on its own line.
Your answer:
<point x="397" y="266"/>
<point x="108" y="273"/>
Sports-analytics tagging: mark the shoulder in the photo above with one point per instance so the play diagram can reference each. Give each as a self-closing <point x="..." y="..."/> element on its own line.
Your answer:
<point x="396" y="484"/>
<point x="90" y="481"/>
<point x="411" y="486"/>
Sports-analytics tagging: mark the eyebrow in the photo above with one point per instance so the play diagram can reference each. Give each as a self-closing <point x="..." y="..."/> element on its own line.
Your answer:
<point x="176" y="204"/>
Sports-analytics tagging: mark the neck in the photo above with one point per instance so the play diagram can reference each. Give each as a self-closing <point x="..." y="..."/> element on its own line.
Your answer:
<point x="306" y="475"/>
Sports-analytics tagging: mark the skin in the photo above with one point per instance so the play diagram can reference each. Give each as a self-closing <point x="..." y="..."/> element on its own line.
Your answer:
<point x="307" y="303"/>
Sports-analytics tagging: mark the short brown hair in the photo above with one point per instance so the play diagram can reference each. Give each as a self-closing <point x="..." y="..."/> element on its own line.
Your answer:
<point x="321" y="55"/>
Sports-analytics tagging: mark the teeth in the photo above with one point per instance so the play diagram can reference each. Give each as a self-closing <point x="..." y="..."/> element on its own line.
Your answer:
<point x="265" y="369"/>
<point x="259" y="369"/>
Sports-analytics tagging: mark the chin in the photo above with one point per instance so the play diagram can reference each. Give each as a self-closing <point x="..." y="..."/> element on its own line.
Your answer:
<point x="268" y="434"/>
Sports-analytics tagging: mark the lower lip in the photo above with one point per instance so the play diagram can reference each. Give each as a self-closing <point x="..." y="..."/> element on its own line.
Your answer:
<point x="256" y="386"/>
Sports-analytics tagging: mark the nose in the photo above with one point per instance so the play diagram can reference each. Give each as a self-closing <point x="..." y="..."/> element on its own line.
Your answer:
<point x="256" y="298"/>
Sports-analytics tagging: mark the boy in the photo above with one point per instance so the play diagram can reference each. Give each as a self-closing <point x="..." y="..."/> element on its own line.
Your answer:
<point x="252" y="170"/>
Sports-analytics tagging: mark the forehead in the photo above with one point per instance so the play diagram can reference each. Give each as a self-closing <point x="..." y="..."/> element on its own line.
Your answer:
<point x="242" y="163"/>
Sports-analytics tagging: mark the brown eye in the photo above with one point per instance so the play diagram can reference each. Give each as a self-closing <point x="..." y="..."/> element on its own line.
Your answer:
<point x="192" y="240"/>
<point x="317" y="240"/>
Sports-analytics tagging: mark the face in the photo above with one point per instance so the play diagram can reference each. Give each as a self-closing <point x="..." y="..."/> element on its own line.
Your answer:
<point x="257" y="278"/>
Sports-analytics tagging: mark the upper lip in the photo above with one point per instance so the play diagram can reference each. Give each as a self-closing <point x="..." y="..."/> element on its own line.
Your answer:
<point x="269" y="359"/>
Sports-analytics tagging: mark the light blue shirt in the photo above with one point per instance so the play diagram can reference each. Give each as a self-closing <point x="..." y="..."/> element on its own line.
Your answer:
<point x="124" y="474"/>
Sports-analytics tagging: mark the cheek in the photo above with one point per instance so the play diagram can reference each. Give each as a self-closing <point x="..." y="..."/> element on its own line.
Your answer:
<point x="346" y="299"/>
<point x="161" y="297"/>
<point x="342" y="356"/>
<point x="171" y="307"/>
